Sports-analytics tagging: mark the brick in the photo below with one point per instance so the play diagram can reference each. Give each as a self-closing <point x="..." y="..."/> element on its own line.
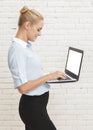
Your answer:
<point x="67" y="23"/>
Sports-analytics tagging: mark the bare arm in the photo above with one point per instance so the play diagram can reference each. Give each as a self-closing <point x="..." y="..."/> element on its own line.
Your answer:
<point x="32" y="84"/>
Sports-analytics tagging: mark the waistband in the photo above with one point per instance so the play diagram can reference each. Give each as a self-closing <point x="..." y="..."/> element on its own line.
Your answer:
<point x="35" y="96"/>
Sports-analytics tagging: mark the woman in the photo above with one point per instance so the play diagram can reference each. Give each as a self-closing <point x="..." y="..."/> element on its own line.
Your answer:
<point x="27" y="72"/>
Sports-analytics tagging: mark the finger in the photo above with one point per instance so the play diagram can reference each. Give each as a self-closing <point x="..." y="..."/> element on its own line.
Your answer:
<point x="64" y="76"/>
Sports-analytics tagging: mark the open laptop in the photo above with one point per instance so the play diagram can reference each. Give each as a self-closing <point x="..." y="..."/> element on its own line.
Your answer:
<point x="72" y="67"/>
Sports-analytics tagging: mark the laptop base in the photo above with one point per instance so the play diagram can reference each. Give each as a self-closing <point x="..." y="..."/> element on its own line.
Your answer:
<point x="61" y="81"/>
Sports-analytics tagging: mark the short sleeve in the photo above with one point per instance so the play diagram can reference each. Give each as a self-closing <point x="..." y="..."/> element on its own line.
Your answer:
<point x="17" y="65"/>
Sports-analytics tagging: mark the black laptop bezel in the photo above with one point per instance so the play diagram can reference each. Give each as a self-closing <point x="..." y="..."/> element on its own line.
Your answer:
<point x="69" y="72"/>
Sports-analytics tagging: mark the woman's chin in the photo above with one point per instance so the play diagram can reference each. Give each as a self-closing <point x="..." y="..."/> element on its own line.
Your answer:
<point x="34" y="39"/>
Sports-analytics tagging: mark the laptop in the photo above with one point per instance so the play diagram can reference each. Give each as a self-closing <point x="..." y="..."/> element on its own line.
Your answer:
<point x="72" y="67"/>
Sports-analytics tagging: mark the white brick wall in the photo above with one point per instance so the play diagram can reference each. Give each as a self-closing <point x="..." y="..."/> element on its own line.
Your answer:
<point x="67" y="23"/>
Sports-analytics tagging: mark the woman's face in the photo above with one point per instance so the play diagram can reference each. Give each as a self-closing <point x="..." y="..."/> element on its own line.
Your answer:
<point x="35" y="30"/>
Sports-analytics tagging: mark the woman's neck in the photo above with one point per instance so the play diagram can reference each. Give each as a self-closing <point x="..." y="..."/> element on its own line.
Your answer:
<point x="21" y="35"/>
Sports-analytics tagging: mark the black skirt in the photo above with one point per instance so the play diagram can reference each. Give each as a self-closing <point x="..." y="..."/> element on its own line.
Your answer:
<point x="33" y="112"/>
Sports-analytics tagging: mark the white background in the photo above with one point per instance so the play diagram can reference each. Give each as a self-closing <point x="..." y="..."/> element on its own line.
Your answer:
<point x="67" y="23"/>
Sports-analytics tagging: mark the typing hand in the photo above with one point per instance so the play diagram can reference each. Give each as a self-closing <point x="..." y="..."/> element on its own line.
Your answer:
<point x="57" y="75"/>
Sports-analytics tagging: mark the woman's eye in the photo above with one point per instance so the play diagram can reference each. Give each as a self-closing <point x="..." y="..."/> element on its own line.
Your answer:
<point x="38" y="30"/>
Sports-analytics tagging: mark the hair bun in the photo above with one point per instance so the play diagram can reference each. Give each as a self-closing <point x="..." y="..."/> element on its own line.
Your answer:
<point x="24" y="10"/>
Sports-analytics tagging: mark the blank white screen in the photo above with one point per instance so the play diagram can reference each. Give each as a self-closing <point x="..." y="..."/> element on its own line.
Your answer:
<point x="74" y="60"/>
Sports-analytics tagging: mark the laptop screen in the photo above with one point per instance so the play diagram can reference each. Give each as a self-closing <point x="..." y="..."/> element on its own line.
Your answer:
<point x="74" y="61"/>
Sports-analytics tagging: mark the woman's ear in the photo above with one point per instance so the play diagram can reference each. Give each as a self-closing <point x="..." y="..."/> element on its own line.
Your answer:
<point x="27" y="25"/>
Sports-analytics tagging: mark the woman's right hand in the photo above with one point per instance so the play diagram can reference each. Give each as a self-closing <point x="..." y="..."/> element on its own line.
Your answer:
<point x="56" y="75"/>
<point x="32" y="84"/>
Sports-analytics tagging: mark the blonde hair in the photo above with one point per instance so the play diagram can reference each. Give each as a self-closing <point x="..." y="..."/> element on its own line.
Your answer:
<point x="29" y="15"/>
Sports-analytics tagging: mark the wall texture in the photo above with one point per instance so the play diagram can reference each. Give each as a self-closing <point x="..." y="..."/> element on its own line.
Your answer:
<point x="67" y="23"/>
